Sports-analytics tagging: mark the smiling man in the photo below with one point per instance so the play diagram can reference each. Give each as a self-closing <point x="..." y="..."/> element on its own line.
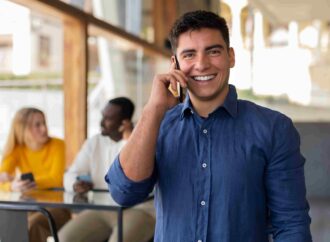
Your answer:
<point x="224" y="169"/>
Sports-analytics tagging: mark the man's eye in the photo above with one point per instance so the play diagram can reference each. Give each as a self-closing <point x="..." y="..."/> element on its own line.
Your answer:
<point x="214" y="52"/>
<point x="188" y="56"/>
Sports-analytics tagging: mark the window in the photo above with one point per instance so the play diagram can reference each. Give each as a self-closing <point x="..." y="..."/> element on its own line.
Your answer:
<point x="31" y="66"/>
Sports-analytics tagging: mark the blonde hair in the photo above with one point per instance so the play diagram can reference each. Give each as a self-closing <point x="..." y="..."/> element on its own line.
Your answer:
<point x="17" y="133"/>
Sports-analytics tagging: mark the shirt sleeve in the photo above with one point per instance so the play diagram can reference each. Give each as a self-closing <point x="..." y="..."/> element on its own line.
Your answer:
<point x="79" y="166"/>
<point x="125" y="191"/>
<point x="285" y="186"/>
<point x="8" y="165"/>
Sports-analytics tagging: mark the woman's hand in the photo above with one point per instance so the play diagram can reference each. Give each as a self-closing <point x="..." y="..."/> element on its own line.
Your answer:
<point x="19" y="185"/>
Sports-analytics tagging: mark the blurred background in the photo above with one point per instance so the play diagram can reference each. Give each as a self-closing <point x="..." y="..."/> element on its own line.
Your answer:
<point x="69" y="57"/>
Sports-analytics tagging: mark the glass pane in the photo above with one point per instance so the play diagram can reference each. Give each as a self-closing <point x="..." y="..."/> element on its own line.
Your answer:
<point x="284" y="66"/>
<point x="31" y="49"/>
<point x="133" y="16"/>
<point x="118" y="69"/>
<point x="85" y="5"/>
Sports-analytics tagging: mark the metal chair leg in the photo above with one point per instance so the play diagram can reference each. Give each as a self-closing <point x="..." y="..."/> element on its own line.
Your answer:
<point x="28" y="208"/>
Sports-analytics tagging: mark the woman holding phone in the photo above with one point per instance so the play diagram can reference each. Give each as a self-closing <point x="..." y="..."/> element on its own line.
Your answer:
<point x="40" y="160"/>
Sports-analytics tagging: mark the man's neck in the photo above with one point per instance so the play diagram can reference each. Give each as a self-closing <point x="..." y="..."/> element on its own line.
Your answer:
<point x="115" y="138"/>
<point x="204" y="108"/>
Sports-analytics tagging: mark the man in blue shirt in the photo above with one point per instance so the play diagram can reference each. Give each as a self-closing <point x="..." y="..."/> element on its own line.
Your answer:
<point x="225" y="170"/>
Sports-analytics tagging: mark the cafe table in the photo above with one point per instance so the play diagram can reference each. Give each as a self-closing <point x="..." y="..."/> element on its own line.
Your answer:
<point x="14" y="207"/>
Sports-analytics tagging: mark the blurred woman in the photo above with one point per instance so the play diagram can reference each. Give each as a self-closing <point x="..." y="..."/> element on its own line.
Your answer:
<point x="30" y="150"/>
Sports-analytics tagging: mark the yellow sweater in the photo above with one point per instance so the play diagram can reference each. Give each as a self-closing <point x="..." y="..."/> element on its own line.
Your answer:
<point x="46" y="164"/>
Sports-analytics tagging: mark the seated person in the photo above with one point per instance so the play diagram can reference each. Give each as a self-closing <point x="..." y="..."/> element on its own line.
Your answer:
<point x="31" y="150"/>
<point x="93" y="160"/>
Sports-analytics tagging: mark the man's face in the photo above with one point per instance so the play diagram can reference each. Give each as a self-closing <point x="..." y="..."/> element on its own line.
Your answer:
<point x="206" y="60"/>
<point x="111" y="120"/>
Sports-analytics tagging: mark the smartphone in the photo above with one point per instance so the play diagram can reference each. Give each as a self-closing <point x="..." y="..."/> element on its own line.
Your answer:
<point x="85" y="177"/>
<point x="179" y="88"/>
<point x="27" y="176"/>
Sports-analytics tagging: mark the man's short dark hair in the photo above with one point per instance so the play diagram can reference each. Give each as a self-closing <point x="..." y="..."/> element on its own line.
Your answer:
<point x="127" y="106"/>
<point x="196" y="20"/>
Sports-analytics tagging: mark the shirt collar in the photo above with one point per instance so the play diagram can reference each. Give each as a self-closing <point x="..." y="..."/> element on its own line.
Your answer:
<point x="230" y="104"/>
<point x="187" y="108"/>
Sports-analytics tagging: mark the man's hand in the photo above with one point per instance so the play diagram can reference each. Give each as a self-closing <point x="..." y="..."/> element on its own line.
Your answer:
<point x="19" y="185"/>
<point x="137" y="158"/>
<point x="164" y="89"/>
<point x="126" y="128"/>
<point x="82" y="186"/>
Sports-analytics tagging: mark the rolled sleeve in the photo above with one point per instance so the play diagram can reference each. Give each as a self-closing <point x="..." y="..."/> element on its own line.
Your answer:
<point x="125" y="191"/>
<point x="285" y="184"/>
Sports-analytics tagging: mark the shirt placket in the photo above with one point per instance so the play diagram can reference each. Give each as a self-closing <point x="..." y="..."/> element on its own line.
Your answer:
<point x="204" y="178"/>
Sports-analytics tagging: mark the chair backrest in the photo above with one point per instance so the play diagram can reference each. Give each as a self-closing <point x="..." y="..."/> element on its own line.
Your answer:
<point x="16" y="214"/>
<point x="13" y="226"/>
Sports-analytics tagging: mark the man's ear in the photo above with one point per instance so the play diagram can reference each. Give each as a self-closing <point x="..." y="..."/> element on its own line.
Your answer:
<point x="231" y="57"/>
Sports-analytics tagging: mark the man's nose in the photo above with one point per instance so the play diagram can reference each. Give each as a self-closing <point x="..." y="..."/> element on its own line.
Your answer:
<point x="202" y="62"/>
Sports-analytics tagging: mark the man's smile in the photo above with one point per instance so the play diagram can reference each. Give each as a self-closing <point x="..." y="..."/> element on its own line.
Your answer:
<point x="203" y="78"/>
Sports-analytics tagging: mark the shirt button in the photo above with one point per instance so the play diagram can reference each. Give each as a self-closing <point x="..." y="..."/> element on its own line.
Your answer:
<point x="203" y="203"/>
<point x="205" y="131"/>
<point x="204" y="165"/>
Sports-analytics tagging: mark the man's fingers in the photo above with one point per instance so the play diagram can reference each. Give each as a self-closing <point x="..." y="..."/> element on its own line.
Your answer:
<point x="181" y="78"/>
<point x="173" y="80"/>
<point x="177" y="79"/>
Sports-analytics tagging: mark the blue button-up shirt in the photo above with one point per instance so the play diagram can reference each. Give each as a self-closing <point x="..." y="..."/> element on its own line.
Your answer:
<point x="235" y="176"/>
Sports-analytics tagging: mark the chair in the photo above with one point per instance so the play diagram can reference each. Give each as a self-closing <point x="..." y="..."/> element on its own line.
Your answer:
<point x="9" y="208"/>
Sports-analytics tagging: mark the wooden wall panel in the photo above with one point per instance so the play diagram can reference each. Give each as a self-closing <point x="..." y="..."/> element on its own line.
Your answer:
<point x="165" y="12"/>
<point x="164" y="15"/>
<point x="75" y="85"/>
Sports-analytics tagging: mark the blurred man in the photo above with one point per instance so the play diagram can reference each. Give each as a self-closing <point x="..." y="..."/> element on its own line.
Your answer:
<point x="87" y="172"/>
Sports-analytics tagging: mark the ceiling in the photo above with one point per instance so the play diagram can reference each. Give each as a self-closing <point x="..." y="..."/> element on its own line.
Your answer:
<point x="284" y="11"/>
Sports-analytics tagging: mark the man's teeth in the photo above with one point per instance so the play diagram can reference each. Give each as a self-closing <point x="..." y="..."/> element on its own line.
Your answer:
<point x="203" y="78"/>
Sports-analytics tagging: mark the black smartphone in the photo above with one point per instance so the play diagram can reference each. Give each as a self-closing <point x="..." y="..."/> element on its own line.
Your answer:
<point x="180" y="90"/>
<point x="27" y="176"/>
